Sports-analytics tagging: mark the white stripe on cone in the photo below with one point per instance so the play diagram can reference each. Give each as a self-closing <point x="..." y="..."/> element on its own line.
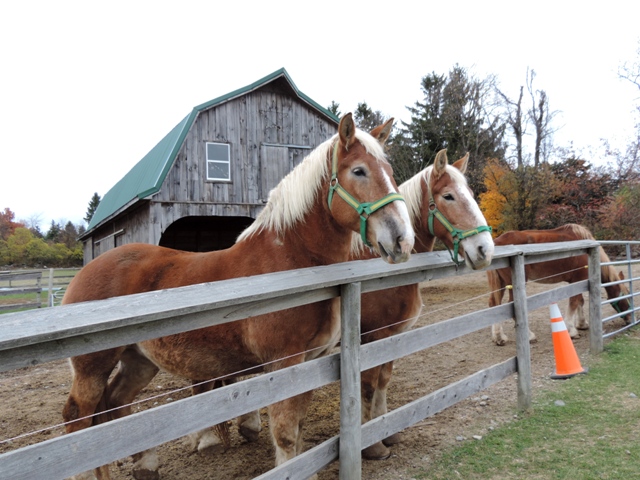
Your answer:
<point x="554" y="312"/>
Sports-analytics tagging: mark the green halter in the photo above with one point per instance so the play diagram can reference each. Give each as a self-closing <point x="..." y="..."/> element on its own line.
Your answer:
<point x="457" y="235"/>
<point x="364" y="209"/>
<point x="616" y="306"/>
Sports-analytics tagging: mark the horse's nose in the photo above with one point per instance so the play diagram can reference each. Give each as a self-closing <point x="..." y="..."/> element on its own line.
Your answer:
<point x="403" y="245"/>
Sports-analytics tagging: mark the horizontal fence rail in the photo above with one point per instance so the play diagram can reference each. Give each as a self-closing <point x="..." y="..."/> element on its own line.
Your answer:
<point x="31" y="338"/>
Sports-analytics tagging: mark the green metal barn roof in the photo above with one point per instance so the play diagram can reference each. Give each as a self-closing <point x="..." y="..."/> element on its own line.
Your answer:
<point x="147" y="176"/>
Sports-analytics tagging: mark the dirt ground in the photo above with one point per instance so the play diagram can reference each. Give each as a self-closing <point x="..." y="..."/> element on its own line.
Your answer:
<point x="31" y="399"/>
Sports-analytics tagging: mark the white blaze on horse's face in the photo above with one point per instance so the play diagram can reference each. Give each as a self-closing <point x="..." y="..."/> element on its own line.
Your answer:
<point x="477" y="250"/>
<point x="455" y="201"/>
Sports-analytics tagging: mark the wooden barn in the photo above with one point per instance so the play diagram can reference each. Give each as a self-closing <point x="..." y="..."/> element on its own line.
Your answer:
<point x="210" y="176"/>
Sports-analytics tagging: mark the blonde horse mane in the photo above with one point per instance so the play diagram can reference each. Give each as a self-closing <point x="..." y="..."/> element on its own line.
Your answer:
<point x="411" y="190"/>
<point x="294" y="196"/>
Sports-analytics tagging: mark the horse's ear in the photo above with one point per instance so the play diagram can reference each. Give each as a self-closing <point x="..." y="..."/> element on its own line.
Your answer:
<point x="621" y="275"/>
<point x="347" y="130"/>
<point x="462" y="163"/>
<point x="382" y="132"/>
<point x="440" y="163"/>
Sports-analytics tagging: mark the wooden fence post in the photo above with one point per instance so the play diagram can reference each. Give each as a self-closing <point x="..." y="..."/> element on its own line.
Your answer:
<point x="523" y="350"/>
<point x="350" y="407"/>
<point x="595" y="314"/>
<point x="50" y="301"/>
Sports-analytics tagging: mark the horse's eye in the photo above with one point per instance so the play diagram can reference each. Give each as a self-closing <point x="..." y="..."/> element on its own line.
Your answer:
<point x="359" y="171"/>
<point x="448" y="196"/>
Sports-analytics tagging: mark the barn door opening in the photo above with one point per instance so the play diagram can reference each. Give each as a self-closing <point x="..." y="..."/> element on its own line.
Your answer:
<point x="204" y="234"/>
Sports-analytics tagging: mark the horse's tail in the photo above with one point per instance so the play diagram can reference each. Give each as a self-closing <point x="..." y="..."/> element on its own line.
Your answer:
<point x="496" y="288"/>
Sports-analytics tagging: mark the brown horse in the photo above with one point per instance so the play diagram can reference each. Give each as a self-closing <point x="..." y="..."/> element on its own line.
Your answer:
<point x="440" y="206"/>
<point x="308" y="221"/>
<point x="570" y="269"/>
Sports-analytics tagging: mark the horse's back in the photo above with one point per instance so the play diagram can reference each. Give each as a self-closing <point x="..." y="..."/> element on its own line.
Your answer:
<point x="565" y="233"/>
<point x="129" y="269"/>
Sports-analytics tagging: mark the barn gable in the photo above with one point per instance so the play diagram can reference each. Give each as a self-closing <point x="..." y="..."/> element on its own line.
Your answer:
<point x="171" y="196"/>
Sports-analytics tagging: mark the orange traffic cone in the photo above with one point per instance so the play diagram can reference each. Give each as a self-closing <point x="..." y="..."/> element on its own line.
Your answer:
<point x="567" y="361"/>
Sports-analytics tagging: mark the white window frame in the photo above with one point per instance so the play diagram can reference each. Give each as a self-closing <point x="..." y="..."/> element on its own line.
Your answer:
<point x="218" y="160"/>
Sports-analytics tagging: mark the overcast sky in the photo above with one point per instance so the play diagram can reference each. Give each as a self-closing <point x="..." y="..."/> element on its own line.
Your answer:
<point x="87" y="88"/>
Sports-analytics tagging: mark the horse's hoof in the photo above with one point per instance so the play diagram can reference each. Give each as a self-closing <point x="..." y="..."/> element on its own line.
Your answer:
<point x="249" y="434"/>
<point x="500" y="342"/>
<point x="144" y="474"/>
<point x="377" y="451"/>
<point x="533" y="340"/>
<point x="583" y="327"/>
<point x="212" y="448"/>
<point x="393" y="439"/>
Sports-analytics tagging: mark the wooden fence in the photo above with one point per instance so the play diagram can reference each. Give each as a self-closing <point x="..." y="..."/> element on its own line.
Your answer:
<point x="31" y="338"/>
<point x="21" y="283"/>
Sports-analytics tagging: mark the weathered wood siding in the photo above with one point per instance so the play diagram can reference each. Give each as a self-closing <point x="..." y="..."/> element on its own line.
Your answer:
<point x="130" y="227"/>
<point x="261" y="129"/>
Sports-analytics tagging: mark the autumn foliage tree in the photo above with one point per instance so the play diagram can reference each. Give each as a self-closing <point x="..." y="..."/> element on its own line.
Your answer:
<point x="620" y="215"/>
<point x="7" y="224"/>
<point x="513" y="195"/>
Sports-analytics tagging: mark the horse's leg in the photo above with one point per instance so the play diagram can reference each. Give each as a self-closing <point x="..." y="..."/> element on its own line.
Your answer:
<point x="532" y="336"/>
<point x="212" y="440"/>
<point x="285" y="423"/>
<point x="134" y="373"/>
<point x="496" y="294"/>
<point x="575" y="318"/>
<point x="369" y="387"/>
<point x="217" y="438"/>
<point x="249" y="424"/>
<point x="380" y="401"/>
<point x="581" y="323"/>
<point x="88" y="395"/>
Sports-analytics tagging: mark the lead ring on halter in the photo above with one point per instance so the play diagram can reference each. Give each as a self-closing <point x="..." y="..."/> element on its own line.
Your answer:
<point x="362" y="208"/>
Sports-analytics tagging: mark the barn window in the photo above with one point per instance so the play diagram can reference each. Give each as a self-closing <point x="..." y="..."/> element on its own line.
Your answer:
<point x="218" y="162"/>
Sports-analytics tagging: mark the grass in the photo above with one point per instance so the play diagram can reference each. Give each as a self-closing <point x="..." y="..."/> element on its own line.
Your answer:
<point x="593" y="434"/>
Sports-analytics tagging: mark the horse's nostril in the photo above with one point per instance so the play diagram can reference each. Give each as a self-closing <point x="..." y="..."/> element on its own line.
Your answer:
<point x="481" y="253"/>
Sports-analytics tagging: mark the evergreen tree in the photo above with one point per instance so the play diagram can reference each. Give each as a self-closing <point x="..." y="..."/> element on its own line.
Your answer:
<point x="334" y="108"/>
<point x="54" y="233"/>
<point x="366" y="119"/>
<point x="69" y="236"/>
<point x="453" y="115"/>
<point x="93" y="205"/>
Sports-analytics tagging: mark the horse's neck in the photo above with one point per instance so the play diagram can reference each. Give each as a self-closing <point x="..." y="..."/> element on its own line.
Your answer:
<point x="319" y="237"/>
<point x="315" y="240"/>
